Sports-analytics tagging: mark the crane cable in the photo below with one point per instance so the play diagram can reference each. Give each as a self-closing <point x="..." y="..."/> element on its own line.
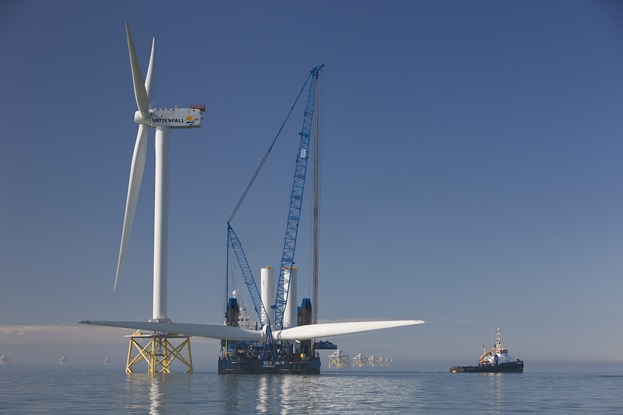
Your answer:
<point x="244" y="194"/>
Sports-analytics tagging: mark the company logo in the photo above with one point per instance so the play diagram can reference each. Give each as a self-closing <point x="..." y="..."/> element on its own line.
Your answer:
<point x="190" y="120"/>
<point x="167" y="120"/>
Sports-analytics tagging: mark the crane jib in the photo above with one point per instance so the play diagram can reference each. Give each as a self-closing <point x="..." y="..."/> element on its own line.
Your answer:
<point x="298" y="186"/>
<point x="248" y="276"/>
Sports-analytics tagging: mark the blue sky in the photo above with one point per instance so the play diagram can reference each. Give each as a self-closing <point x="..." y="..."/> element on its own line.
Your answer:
<point x="471" y="171"/>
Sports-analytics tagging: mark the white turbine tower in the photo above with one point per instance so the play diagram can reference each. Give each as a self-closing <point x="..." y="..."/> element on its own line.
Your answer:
<point x="163" y="120"/>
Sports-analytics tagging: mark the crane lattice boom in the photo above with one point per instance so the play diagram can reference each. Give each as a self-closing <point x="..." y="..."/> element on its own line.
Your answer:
<point x="248" y="276"/>
<point x="296" y="200"/>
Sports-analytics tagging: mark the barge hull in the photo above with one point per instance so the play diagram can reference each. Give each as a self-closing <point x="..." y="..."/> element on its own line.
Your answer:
<point x="257" y="367"/>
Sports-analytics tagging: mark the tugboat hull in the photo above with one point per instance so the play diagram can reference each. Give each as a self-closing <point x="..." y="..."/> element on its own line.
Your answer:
<point x="516" y="367"/>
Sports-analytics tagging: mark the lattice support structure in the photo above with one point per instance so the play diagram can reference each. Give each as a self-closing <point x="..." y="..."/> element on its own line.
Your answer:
<point x="159" y="350"/>
<point x="359" y="360"/>
<point x="339" y="359"/>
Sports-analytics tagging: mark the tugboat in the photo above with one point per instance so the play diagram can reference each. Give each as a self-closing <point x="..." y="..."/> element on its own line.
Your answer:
<point x="494" y="360"/>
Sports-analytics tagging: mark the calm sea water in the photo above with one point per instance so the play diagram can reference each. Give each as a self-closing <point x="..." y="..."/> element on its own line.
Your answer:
<point x="68" y="391"/>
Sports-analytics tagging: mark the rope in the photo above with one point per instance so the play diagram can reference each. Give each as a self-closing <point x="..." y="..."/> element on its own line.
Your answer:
<point x="257" y="171"/>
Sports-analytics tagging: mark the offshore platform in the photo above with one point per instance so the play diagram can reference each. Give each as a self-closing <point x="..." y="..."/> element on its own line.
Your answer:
<point x="283" y="340"/>
<point x="270" y="356"/>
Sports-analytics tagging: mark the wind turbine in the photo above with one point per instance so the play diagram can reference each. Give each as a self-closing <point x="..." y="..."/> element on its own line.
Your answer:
<point x="163" y="120"/>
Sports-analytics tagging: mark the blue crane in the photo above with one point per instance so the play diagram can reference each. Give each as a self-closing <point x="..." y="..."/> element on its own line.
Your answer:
<point x="248" y="275"/>
<point x="234" y="242"/>
<point x="296" y="201"/>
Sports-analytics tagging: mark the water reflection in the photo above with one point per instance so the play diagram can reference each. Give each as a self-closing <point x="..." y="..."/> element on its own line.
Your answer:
<point x="152" y="393"/>
<point x="263" y="392"/>
<point x="156" y="396"/>
<point x="291" y="394"/>
<point x="495" y="386"/>
<point x="233" y="390"/>
<point x="300" y="394"/>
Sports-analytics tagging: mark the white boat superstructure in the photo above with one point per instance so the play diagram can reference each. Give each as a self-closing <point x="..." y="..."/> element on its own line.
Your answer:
<point x="498" y="354"/>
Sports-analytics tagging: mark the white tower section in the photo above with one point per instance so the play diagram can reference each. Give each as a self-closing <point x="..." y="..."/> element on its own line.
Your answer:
<point x="267" y="282"/>
<point x="161" y="224"/>
<point x="289" y="316"/>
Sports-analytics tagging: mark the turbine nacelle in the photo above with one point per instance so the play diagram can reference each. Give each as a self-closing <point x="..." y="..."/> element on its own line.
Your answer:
<point x="171" y="118"/>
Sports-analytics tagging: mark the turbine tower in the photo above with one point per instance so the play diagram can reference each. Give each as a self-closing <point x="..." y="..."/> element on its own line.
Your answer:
<point x="163" y="120"/>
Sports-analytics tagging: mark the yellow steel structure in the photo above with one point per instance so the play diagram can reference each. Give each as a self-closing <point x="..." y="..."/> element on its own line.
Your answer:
<point x="359" y="360"/>
<point x="339" y="359"/>
<point x="159" y="351"/>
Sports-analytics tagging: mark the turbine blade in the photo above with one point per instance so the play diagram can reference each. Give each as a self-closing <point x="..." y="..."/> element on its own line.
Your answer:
<point x="211" y="331"/>
<point x="150" y="71"/>
<point x="134" y="187"/>
<point x="140" y="92"/>
<point x="312" y="331"/>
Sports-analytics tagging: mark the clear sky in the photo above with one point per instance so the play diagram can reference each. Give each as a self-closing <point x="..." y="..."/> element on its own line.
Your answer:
<point x="471" y="172"/>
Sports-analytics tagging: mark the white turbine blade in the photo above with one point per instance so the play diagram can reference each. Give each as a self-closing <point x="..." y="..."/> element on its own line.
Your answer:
<point x="150" y="70"/>
<point x="134" y="187"/>
<point x="312" y="331"/>
<point x="211" y="331"/>
<point x="140" y="92"/>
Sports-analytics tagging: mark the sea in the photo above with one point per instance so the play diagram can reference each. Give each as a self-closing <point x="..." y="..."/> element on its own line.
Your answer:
<point x="70" y="390"/>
